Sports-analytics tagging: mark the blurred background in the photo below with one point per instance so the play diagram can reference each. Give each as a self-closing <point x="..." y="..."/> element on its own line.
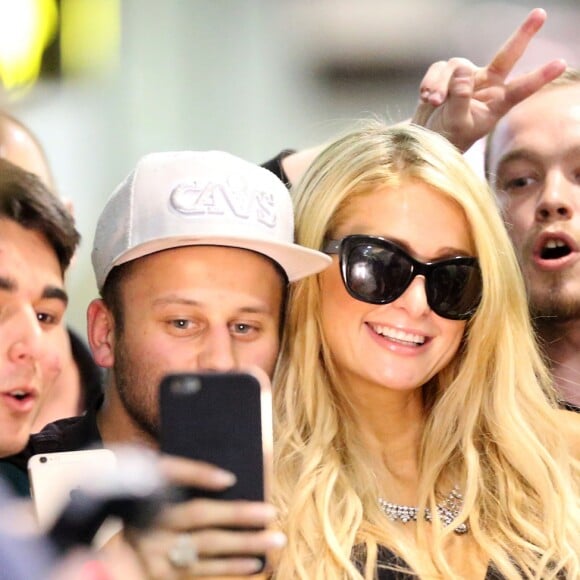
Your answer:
<point x="102" y="82"/>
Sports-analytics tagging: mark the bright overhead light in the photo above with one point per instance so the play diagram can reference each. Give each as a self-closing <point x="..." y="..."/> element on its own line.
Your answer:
<point x="26" y="28"/>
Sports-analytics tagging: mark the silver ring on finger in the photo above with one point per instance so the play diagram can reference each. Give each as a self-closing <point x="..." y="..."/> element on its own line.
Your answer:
<point x="183" y="553"/>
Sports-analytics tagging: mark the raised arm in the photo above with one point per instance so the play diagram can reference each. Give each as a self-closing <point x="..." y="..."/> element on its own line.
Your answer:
<point x="463" y="101"/>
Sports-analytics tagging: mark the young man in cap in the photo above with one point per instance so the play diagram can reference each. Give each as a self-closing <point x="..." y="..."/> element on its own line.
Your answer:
<point x="192" y="256"/>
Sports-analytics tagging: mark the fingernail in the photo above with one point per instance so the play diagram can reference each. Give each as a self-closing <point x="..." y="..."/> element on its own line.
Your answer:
<point x="435" y="98"/>
<point x="255" y="565"/>
<point x="278" y="539"/>
<point x="225" y="477"/>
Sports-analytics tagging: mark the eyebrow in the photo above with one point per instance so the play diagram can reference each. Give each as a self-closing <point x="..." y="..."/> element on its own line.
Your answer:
<point x="517" y="155"/>
<point x="528" y="155"/>
<point x="48" y="293"/>
<point x="54" y="292"/>
<point x="172" y="299"/>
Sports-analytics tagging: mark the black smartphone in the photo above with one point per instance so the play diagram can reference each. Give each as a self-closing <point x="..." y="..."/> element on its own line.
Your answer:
<point x="224" y="419"/>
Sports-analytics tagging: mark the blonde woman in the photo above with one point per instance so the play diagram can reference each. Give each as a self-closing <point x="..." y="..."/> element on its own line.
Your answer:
<point x="417" y="429"/>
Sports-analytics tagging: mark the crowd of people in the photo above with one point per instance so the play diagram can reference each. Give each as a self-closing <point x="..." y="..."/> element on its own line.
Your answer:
<point x="418" y="325"/>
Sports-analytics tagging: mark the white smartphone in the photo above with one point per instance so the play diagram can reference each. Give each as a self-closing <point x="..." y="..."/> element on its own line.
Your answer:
<point x="54" y="477"/>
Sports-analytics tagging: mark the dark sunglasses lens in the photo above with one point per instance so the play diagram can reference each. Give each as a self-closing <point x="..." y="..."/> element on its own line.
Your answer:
<point x="375" y="273"/>
<point x="454" y="290"/>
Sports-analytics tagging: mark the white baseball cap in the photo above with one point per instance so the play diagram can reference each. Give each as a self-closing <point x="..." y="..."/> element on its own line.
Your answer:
<point x="193" y="198"/>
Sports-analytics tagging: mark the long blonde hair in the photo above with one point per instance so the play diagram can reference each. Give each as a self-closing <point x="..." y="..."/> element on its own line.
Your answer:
<point x="490" y="414"/>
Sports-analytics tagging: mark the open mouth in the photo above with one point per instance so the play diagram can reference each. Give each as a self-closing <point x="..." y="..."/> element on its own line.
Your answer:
<point x="20" y="395"/>
<point x="554" y="249"/>
<point x="20" y="400"/>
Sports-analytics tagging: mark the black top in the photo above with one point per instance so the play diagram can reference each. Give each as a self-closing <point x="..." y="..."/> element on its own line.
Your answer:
<point x="69" y="434"/>
<point x="387" y="558"/>
<point x="275" y="166"/>
<point x="90" y="374"/>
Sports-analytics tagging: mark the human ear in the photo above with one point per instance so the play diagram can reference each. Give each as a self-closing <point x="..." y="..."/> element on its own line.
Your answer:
<point x="101" y="333"/>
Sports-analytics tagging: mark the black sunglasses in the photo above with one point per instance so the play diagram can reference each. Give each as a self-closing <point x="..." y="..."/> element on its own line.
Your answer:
<point x="378" y="271"/>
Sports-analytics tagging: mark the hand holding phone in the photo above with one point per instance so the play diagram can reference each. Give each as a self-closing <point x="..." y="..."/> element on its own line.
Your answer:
<point x="229" y="538"/>
<point x="225" y="419"/>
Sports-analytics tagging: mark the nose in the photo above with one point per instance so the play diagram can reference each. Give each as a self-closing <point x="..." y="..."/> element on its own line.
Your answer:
<point x="414" y="298"/>
<point x="27" y="339"/>
<point x="217" y="352"/>
<point x="555" y="201"/>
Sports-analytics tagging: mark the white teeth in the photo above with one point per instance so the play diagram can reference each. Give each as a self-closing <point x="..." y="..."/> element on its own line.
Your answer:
<point x="17" y="393"/>
<point x="550" y="244"/>
<point x="398" y="335"/>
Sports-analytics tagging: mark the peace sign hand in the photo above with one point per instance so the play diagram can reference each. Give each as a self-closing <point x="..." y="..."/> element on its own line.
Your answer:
<point x="463" y="102"/>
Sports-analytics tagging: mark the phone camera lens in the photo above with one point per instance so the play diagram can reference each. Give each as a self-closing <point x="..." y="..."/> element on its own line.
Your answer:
<point x="191" y="385"/>
<point x="43" y="460"/>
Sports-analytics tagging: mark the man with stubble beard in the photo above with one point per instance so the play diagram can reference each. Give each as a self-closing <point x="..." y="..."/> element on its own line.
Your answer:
<point x="533" y="163"/>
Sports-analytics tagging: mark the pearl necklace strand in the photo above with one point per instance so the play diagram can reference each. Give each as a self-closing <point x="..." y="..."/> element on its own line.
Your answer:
<point x="447" y="510"/>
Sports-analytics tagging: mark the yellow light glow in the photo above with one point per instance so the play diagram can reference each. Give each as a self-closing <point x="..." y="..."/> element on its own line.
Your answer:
<point x="90" y="35"/>
<point x="26" y="28"/>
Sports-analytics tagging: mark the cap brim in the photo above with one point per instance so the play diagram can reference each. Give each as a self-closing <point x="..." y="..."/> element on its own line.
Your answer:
<point x="297" y="261"/>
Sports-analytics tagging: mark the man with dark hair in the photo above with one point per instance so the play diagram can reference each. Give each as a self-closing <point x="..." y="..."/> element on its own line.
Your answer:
<point x="37" y="242"/>
<point x="79" y="383"/>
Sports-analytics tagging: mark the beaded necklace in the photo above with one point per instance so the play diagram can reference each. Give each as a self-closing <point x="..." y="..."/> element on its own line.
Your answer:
<point x="448" y="510"/>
